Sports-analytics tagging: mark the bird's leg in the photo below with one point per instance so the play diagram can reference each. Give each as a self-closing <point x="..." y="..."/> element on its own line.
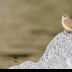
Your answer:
<point x="67" y="32"/>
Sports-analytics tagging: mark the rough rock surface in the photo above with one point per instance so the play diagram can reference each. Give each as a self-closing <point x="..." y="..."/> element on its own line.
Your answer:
<point x="58" y="55"/>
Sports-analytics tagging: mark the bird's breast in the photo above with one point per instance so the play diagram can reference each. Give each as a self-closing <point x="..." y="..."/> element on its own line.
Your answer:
<point x="65" y="26"/>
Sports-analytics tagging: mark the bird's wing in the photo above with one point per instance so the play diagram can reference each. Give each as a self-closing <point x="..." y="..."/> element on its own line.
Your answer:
<point x="68" y="22"/>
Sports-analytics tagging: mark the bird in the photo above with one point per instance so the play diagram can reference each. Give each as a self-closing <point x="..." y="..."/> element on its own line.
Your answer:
<point x="15" y="57"/>
<point x="66" y="22"/>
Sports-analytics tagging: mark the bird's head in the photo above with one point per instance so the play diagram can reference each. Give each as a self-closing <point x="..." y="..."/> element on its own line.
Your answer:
<point x="65" y="16"/>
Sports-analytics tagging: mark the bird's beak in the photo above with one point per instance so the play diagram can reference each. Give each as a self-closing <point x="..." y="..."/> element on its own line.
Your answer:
<point x="60" y="14"/>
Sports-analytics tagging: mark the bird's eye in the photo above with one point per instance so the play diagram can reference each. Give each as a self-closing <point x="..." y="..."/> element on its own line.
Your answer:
<point x="64" y="16"/>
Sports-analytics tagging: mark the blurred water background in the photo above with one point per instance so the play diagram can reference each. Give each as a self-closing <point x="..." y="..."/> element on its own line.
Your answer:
<point x="27" y="26"/>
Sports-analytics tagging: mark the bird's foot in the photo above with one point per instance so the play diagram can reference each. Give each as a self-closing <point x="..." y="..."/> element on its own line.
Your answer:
<point x="70" y="32"/>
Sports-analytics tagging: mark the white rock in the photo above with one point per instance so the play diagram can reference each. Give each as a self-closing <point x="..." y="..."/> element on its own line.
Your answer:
<point x="58" y="55"/>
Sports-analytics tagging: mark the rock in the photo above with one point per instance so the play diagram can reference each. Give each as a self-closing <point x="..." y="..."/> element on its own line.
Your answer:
<point x="58" y="55"/>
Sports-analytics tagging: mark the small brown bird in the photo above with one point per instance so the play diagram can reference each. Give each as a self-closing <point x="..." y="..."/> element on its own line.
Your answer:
<point x="66" y="22"/>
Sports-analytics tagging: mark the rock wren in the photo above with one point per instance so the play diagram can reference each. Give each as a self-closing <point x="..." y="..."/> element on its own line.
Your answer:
<point x="66" y="22"/>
